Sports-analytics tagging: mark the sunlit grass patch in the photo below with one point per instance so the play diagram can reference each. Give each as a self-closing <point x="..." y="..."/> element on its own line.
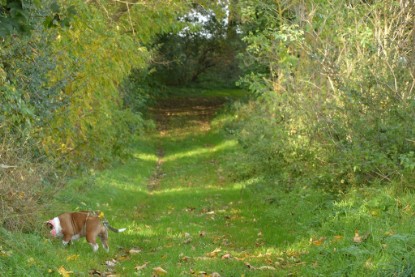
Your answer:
<point x="225" y="145"/>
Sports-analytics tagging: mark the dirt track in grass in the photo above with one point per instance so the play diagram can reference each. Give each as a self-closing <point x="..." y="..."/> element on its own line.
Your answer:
<point x="177" y="115"/>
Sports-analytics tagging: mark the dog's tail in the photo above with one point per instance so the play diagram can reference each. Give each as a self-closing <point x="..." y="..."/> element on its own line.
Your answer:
<point x="108" y="226"/>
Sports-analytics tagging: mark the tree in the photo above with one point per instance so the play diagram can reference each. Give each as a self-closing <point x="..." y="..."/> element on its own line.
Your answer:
<point x="202" y="52"/>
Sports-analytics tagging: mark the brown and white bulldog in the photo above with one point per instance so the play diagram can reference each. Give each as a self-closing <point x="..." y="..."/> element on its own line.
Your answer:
<point x="73" y="225"/>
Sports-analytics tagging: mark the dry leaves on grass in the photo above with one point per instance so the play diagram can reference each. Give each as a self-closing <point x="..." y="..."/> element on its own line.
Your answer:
<point x="159" y="271"/>
<point x="63" y="272"/>
<point x="214" y="253"/>
<point x="111" y="263"/>
<point x="360" y="238"/>
<point x="133" y="251"/>
<point x="141" y="267"/>
<point x="72" y="257"/>
<point x="187" y="238"/>
<point x="317" y="242"/>
<point x="201" y="273"/>
<point x="264" y="267"/>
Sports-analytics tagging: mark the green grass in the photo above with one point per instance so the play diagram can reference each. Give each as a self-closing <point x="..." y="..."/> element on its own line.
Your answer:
<point x="197" y="217"/>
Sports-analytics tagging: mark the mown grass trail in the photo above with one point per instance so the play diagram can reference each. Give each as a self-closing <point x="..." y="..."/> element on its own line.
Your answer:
<point x="188" y="215"/>
<point x="183" y="212"/>
<point x="194" y="220"/>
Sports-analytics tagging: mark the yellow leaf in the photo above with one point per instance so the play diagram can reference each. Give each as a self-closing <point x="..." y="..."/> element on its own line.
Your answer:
<point x="357" y="238"/>
<point x="72" y="257"/>
<point x="62" y="271"/>
<point x="214" y="253"/>
<point x="101" y="215"/>
<point x="226" y="256"/>
<point x="158" y="271"/>
<point x="318" y="242"/>
<point x="141" y="267"/>
<point x="134" y="251"/>
<point x="267" y="267"/>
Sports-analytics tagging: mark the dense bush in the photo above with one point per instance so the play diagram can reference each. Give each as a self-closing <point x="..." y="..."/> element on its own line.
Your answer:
<point x="68" y="97"/>
<point x="336" y="106"/>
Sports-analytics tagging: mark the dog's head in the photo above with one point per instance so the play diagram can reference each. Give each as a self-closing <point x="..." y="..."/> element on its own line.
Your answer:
<point x="54" y="226"/>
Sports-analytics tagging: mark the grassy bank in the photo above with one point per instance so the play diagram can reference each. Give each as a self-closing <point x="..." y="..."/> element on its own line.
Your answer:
<point x="188" y="214"/>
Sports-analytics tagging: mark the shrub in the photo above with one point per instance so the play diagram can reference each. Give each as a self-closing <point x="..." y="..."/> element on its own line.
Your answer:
<point x="26" y="186"/>
<point x="337" y="105"/>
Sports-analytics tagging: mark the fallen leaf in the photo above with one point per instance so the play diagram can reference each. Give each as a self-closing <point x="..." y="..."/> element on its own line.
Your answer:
<point x="72" y="257"/>
<point x="214" y="253"/>
<point x="158" y="271"/>
<point x="134" y="251"/>
<point x="94" y="272"/>
<point x="203" y="258"/>
<point x="338" y="237"/>
<point x="202" y="233"/>
<point x="266" y="267"/>
<point x="62" y="271"/>
<point x="141" y="267"/>
<point x="185" y="259"/>
<point x="187" y="238"/>
<point x="123" y="258"/>
<point x="111" y="263"/>
<point x="249" y="266"/>
<point x="215" y="274"/>
<point x="317" y="242"/>
<point x="226" y="256"/>
<point x="360" y="238"/>
<point x="190" y="209"/>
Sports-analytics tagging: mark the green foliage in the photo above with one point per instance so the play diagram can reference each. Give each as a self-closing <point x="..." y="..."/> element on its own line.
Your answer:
<point x="15" y="114"/>
<point x="202" y="52"/>
<point x="95" y="126"/>
<point x="335" y="106"/>
<point x="21" y="17"/>
<point x="13" y="17"/>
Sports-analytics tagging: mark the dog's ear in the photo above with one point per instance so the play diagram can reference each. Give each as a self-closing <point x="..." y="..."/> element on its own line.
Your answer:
<point x="48" y="225"/>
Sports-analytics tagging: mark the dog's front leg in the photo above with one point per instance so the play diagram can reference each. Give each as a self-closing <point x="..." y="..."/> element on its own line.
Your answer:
<point x="91" y="239"/>
<point x="66" y="239"/>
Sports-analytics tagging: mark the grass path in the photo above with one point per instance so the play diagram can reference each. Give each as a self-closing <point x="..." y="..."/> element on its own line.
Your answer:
<point x="184" y="214"/>
<point x="194" y="220"/>
<point x="187" y="216"/>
